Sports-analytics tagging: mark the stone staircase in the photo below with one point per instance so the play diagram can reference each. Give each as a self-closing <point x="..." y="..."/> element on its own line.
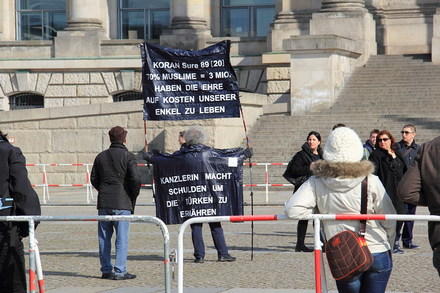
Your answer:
<point x="387" y="93"/>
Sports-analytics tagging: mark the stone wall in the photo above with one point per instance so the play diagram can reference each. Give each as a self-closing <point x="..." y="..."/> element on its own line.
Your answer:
<point x="76" y="134"/>
<point x="61" y="89"/>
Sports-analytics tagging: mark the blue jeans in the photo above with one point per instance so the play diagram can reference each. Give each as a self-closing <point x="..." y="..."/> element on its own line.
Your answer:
<point x="105" y="233"/>
<point x="374" y="280"/>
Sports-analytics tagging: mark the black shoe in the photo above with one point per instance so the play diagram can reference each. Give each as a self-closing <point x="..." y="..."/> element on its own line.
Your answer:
<point x="107" y="276"/>
<point x="410" y="246"/>
<point x="226" y="258"/>
<point x="199" y="260"/>
<point x="303" y="248"/>
<point x="127" y="276"/>
<point x="398" y="250"/>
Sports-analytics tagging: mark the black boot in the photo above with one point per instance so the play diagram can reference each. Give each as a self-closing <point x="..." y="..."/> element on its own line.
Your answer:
<point x="302" y="248"/>
<point x="301" y="235"/>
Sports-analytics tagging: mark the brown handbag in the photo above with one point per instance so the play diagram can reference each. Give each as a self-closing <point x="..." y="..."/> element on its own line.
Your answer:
<point x="347" y="252"/>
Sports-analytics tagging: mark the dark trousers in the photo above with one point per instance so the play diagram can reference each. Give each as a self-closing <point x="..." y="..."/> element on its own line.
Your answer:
<point x="399" y="225"/>
<point x="301" y="231"/>
<point x="217" y="236"/>
<point x="12" y="265"/>
<point x="436" y="258"/>
<point x="407" y="232"/>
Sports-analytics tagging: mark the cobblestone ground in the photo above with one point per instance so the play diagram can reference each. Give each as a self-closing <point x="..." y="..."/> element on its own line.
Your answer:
<point x="69" y="253"/>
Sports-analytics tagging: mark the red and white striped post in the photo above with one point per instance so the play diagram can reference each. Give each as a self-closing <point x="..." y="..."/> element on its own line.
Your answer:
<point x="89" y="187"/>
<point x="39" y="269"/>
<point x="266" y="177"/>
<point x="32" y="263"/>
<point x="45" y="186"/>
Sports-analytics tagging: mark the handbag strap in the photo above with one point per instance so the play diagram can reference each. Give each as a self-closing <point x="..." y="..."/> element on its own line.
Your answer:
<point x="364" y="195"/>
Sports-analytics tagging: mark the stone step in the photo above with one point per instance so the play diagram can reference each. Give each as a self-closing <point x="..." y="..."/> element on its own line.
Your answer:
<point x="415" y="82"/>
<point x="387" y="93"/>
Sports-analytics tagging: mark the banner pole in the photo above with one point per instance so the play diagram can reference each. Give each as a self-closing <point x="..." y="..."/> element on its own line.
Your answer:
<point x="145" y="132"/>
<point x="250" y="183"/>
<point x="148" y="163"/>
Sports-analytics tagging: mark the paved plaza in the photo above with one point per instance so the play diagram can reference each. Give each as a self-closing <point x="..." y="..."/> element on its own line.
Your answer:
<point x="69" y="253"/>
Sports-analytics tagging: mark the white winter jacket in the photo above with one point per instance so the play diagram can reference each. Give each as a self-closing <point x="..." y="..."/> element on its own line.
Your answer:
<point x="335" y="188"/>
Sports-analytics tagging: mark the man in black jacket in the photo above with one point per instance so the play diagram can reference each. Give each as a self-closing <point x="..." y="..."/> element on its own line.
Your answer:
<point x="408" y="149"/>
<point x="17" y="198"/>
<point x="420" y="186"/>
<point x="117" y="179"/>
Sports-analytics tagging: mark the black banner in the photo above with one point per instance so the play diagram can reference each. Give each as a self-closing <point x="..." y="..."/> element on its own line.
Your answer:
<point x="186" y="85"/>
<point x="198" y="184"/>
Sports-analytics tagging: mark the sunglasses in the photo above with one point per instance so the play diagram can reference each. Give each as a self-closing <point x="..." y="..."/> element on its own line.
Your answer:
<point x="405" y="132"/>
<point x="383" y="139"/>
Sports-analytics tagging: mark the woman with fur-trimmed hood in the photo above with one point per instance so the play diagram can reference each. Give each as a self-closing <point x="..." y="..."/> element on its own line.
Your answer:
<point x="335" y="188"/>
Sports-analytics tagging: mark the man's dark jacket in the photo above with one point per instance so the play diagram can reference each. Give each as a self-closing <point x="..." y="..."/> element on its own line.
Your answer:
<point x="14" y="182"/>
<point x="421" y="185"/>
<point x="117" y="190"/>
<point x="408" y="152"/>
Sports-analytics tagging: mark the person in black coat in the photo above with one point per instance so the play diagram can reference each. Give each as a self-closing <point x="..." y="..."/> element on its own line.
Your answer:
<point x="297" y="172"/>
<point x="117" y="179"/>
<point x="17" y="198"/>
<point x="408" y="148"/>
<point x="389" y="167"/>
<point x="194" y="155"/>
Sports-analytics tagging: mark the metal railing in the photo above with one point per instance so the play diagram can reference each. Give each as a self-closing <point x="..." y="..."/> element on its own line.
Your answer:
<point x="320" y="282"/>
<point x="90" y="198"/>
<point x="46" y="196"/>
<point x="32" y="241"/>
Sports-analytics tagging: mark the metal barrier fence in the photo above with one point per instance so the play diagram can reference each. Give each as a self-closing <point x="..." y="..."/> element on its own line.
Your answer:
<point x="46" y="196"/>
<point x="266" y="183"/>
<point x="320" y="282"/>
<point x="32" y="241"/>
<point x="89" y="188"/>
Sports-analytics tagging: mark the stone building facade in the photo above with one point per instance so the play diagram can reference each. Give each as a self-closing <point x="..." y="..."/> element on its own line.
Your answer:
<point x="298" y="53"/>
<point x="291" y="57"/>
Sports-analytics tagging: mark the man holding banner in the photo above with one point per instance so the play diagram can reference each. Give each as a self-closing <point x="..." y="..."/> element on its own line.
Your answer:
<point x="198" y="181"/>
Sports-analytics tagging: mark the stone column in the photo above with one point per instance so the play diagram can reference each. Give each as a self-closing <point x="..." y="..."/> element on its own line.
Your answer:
<point x="7" y="21"/>
<point x="83" y="15"/>
<point x="342" y="37"/>
<point x="435" y="50"/>
<point x="283" y="25"/>
<point x="189" y="27"/>
<point x="84" y="32"/>
<point x="292" y="19"/>
<point x="343" y="5"/>
<point x="349" y="19"/>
